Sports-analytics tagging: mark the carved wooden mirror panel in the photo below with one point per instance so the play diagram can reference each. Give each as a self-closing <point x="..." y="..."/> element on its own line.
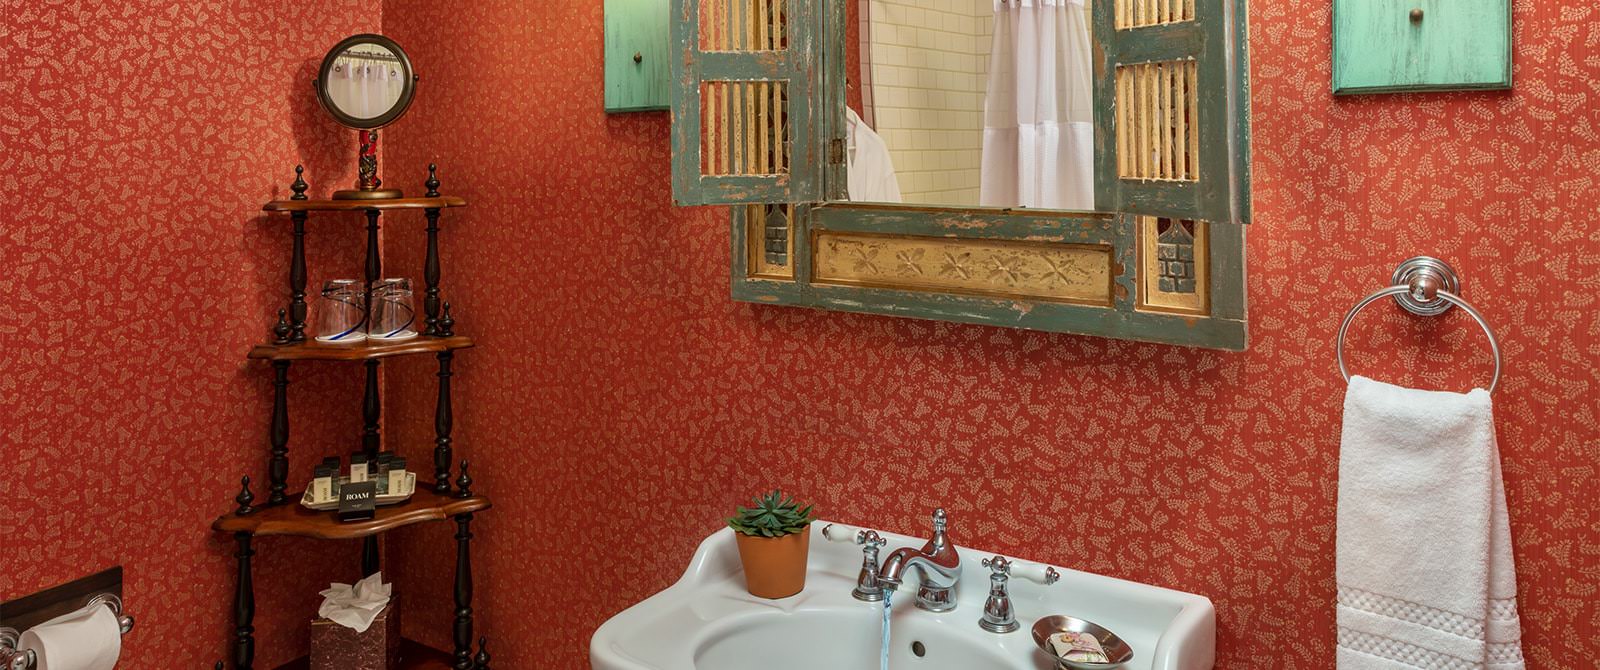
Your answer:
<point x="1039" y="165"/>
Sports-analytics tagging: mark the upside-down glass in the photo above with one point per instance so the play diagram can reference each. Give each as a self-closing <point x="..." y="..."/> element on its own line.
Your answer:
<point x="341" y="314"/>
<point x="393" y="317"/>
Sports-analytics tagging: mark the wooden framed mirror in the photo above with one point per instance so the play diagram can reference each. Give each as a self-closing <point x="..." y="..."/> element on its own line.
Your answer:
<point x="366" y="83"/>
<point x="1146" y="101"/>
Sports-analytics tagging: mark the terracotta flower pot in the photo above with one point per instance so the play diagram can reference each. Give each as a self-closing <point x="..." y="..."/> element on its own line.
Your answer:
<point x="774" y="567"/>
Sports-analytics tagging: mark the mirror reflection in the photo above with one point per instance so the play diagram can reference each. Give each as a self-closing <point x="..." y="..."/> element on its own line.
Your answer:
<point x="365" y="81"/>
<point x="967" y="103"/>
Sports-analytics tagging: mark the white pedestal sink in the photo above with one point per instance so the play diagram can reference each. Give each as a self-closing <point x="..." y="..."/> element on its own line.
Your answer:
<point x="707" y="621"/>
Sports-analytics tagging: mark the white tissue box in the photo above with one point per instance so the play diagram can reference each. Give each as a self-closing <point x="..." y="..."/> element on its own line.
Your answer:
<point x="338" y="647"/>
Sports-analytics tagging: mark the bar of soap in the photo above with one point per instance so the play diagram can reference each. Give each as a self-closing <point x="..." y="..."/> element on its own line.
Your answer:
<point x="1078" y="647"/>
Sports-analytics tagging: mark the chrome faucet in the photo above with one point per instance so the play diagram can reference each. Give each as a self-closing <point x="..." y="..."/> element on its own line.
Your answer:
<point x="998" y="615"/>
<point x="937" y="560"/>
<point x="867" y="587"/>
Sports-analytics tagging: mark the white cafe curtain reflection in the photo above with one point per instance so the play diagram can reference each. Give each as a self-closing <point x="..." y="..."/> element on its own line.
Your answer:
<point x="1038" y="136"/>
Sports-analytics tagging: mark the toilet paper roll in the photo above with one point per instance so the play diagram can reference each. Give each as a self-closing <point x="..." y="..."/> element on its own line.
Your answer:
<point x="88" y="639"/>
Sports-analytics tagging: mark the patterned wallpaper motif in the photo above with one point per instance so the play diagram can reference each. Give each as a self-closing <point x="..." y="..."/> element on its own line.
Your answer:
<point x="620" y="403"/>
<point x="139" y="141"/>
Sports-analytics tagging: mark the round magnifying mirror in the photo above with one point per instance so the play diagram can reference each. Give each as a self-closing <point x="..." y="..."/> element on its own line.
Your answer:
<point x="366" y="82"/>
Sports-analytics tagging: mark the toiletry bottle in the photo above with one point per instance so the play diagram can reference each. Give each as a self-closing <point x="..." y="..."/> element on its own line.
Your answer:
<point x="380" y="474"/>
<point x="334" y="466"/>
<point x="358" y="468"/>
<point x="322" y="485"/>
<point x="397" y="476"/>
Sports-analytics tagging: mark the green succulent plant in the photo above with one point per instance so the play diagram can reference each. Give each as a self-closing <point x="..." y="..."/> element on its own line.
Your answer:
<point x="772" y="516"/>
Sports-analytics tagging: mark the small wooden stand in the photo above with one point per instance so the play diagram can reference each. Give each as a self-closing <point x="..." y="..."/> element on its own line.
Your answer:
<point x="278" y="516"/>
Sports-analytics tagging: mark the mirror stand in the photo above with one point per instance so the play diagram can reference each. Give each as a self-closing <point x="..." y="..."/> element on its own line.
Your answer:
<point x="369" y="186"/>
<point x="366" y="83"/>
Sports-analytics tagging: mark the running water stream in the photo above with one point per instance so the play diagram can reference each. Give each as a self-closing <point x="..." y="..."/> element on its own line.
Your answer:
<point x="883" y="658"/>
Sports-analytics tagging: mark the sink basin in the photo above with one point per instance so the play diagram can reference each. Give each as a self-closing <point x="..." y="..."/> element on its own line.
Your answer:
<point x="843" y="634"/>
<point x="706" y="621"/>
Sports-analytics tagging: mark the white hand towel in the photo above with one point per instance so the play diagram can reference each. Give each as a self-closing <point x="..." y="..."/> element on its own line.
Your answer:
<point x="1425" y="569"/>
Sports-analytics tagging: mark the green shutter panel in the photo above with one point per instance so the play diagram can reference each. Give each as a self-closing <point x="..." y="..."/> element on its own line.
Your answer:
<point x="745" y="98"/>
<point x="1172" y="108"/>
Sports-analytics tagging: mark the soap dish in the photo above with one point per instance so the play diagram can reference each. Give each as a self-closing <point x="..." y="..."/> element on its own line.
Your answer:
<point x="1117" y="650"/>
<point x="409" y="489"/>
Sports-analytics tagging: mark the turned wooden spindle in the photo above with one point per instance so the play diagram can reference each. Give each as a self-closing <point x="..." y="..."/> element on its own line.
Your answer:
<point x="374" y="267"/>
<point x="280" y="332"/>
<point x="299" y="186"/>
<point x="369" y="556"/>
<point x="244" y="498"/>
<point x="297" y="263"/>
<point x="244" y="607"/>
<point x="371" y="412"/>
<point x="447" y="323"/>
<point x="481" y="661"/>
<point x="463" y="591"/>
<point x="464" y="482"/>
<point x="278" y="464"/>
<point x="430" y="268"/>
<point x="443" y="419"/>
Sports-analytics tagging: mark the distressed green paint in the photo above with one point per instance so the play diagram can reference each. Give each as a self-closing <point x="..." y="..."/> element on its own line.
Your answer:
<point x="1228" y="272"/>
<point x="1087" y="228"/>
<point x="1211" y="333"/>
<point x="1225" y="328"/>
<point x="638" y="74"/>
<point x="835" y="88"/>
<point x="1216" y="41"/>
<point x="798" y="65"/>
<point x="1457" y="45"/>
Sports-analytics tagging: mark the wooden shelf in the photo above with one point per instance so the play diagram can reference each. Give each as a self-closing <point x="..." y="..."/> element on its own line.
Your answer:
<point x="287" y="517"/>
<point x="312" y="350"/>
<point x="413" y="656"/>
<point x="442" y="202"/>
<point x="292" y="519"/>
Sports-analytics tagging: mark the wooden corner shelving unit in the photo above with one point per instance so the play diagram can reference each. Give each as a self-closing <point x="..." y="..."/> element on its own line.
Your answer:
<point x="313" y="350"/>
<point x="281" y="514"/>
<point x="299" y="521"/>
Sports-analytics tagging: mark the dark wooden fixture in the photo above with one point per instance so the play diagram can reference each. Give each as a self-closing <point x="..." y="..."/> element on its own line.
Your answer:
<point x="288" y="344"/>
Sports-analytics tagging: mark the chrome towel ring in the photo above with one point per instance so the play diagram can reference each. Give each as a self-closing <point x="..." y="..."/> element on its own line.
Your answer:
<point x="1426" y="287"/>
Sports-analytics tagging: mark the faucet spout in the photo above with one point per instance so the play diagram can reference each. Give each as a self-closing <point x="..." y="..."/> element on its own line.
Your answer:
<point x="942" y="571"/>
<point x="938" y="562"/>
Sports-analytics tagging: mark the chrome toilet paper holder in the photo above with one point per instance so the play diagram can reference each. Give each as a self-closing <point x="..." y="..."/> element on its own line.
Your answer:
<point x="12" y="658"/>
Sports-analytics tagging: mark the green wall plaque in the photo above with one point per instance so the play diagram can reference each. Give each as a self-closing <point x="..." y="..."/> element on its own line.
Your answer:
<point x="1389" y="46"/>
<point x="637" y="70"/>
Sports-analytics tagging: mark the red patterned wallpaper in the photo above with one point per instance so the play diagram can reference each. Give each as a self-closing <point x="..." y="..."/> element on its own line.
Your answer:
<point x="139" y="141"/>
<point x="621" y="403"/>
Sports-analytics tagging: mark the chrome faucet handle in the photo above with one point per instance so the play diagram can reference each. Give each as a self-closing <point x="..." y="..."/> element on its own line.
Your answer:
<point x="998" y="615"/>
<point x="940" y="540"/>
<point x="867" y="589"/>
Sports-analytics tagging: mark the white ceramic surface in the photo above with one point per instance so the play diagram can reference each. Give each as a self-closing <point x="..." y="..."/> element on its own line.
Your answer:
<point x="706" y="621"/>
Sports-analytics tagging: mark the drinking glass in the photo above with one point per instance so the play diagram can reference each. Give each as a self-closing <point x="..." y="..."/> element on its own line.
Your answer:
<point x="342" y="316"/>
<point x="393" y="317"/>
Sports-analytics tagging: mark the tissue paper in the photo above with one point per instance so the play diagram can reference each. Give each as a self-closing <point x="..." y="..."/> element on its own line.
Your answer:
<point x="355" y="606"/>
<point x="87" y="639"/>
